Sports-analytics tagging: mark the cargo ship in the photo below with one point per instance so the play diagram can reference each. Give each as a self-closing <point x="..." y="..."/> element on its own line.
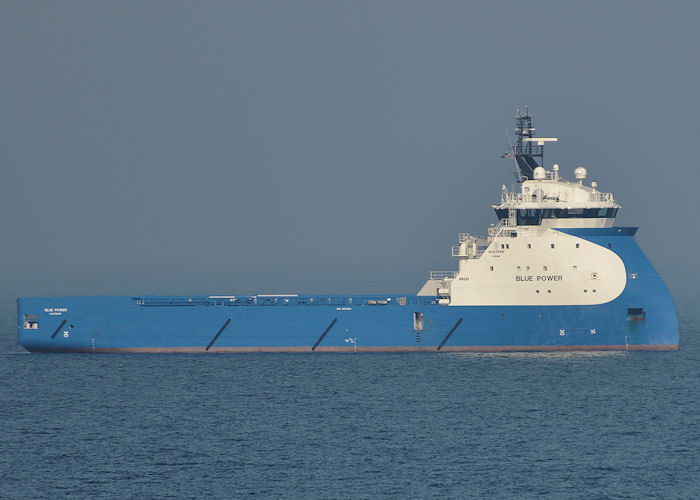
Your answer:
<point x="553" y="273"/>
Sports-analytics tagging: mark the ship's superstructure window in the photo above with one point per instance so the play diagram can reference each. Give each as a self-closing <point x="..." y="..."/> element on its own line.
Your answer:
<point x="544" y="268"/>
<point x="594" y="276"/>
<point x="529" y="245"/>
<point x="552" y="245"/>
<point x="578" y="245"/>
<point x="491" y="268"/>
<point x="534" y="216"/>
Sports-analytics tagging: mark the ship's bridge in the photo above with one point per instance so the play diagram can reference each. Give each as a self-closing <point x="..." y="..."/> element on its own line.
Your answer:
<point x="550" y="201"/>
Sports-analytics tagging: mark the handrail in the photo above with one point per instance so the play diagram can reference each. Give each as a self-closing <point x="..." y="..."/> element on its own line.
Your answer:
<point x="441" y="275"/>
<point x="506" y="225"/>
<point x="595" y="196"/>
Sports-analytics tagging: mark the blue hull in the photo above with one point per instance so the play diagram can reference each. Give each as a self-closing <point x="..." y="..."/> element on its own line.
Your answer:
<point x="118" y="324"/>
<point x="641" y="318"/>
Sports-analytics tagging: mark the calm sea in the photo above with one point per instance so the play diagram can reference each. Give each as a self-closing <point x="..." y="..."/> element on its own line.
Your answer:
<point x="598" y="425"/>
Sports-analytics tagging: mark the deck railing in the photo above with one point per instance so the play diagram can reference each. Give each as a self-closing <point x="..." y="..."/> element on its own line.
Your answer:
<point x="343" y="301"/>
<point x="441" y="275"/>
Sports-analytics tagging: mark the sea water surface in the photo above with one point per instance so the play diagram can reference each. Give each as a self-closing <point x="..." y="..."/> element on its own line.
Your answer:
<point x="370" y="425"/>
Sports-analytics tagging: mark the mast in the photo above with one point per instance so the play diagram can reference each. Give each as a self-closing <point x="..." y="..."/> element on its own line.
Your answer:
<point x="529" y="150"/>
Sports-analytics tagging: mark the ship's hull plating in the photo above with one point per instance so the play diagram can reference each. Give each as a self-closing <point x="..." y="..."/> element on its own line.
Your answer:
<point x="641" y="318"/>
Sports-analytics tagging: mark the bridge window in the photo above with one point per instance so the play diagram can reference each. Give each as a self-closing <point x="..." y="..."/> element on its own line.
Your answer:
<point x="534" y="216"/>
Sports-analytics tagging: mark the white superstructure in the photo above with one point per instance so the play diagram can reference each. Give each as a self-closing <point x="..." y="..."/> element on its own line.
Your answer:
<point x="557" y="202"/>
<point x="526" y="260"/>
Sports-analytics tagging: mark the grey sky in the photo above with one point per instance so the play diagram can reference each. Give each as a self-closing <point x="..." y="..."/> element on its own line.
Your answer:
<point x="323" y="146"/>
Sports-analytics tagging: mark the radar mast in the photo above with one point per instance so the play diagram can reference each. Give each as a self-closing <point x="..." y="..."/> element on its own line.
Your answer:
<point x="528" y="148"/>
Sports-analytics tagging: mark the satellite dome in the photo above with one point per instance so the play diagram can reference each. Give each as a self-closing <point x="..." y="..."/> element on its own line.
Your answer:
<point x="580" y="173"/>
<point x="539" y="173"/>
